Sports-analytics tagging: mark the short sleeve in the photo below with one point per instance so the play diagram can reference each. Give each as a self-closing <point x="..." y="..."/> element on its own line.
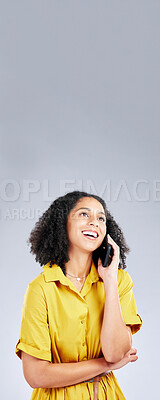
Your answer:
<point x="34" y="336"/>
<point x="127" y="302"/>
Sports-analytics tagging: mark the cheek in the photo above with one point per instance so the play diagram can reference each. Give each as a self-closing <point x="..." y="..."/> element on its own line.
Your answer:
<point x="103" y="229"/>
<point x="72" y="230"/>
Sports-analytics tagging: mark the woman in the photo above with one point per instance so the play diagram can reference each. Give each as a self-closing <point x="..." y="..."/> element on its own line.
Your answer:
<point x="78" y="317"/>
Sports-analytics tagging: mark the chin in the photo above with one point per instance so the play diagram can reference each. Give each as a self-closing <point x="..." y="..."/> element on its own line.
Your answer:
<point x="92" y="247"/>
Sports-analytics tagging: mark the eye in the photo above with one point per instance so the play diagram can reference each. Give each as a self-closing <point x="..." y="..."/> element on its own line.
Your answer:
<point x="102" y="219"/>
<point x="84" y="214"/>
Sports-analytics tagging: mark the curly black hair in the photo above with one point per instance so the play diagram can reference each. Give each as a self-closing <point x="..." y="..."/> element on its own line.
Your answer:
<point x="49" y="240"/>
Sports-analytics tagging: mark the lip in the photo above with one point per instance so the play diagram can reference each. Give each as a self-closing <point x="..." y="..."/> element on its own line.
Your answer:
<point x="90" y="230"/>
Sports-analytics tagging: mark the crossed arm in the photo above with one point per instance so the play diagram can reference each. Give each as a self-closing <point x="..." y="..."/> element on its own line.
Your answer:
<point x="117" y="353"/>
<point x="115" y="338"/>
<point x="40" y="373"/>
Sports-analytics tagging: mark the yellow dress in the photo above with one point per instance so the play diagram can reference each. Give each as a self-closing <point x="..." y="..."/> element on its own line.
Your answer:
<point x="61" y="324"/>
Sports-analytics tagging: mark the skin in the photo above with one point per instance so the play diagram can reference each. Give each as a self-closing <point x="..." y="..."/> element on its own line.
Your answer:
<point x="116" y="337"/>
<point x="87" y="214"/>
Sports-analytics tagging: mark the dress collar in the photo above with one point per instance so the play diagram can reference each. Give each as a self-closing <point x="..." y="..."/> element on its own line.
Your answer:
<point x="55" y="273"/>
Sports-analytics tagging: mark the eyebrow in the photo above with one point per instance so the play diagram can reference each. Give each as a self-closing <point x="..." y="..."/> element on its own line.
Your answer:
<point x="89" y="209"/>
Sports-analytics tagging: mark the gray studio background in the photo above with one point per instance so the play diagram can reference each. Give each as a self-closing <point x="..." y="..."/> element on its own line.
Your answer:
<point x="80" y="97"/>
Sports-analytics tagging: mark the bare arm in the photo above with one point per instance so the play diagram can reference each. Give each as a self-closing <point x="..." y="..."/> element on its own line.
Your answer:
<point x="115" y="336"/>
<point x="40" y="373"/>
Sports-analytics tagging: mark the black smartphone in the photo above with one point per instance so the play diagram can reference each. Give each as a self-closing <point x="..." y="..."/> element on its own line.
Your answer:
<point x="108" y="253"/>
<point x="106" y="250"/>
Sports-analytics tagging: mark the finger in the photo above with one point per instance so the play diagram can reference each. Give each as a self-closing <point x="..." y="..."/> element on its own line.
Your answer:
<point x="135" y="358"/>
<point x="114" y="244"/>
<point x="133" y="351"/>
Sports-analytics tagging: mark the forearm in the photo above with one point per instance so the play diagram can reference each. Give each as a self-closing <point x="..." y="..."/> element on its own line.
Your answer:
<point x="67" y="374"/>
<point x="115" y="337"/>
<point x="39" y="373"/>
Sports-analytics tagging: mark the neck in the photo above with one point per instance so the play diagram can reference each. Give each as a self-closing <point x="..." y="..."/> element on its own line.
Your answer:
<point x="79" y="263"/>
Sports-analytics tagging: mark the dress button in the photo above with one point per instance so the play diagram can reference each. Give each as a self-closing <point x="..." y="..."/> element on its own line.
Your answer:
<point x="83" y="344"/>
<point x="82" y="322"/>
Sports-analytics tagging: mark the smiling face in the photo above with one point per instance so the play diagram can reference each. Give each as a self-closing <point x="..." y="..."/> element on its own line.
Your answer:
<point x="86" y="225"/>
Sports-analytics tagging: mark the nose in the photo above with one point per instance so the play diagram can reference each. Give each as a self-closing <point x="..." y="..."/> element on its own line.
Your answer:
<point x="94" y="221"/>
<point x="94" y="224"/>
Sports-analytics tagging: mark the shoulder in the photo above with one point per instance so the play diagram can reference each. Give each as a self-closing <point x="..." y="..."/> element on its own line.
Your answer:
<point x="37" y="282"/>
<point x="125" y="282"/>
<point x="35" y="287"/>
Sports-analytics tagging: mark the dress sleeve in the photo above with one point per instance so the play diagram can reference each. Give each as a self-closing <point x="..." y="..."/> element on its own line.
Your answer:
<point x="34" y="336"/>
<point x="128" y="304"/>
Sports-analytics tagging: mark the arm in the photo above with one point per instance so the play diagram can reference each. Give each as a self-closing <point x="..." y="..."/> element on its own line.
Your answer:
<point x="115" y="336"/>
<point x="39" y="373"/>
<point x="130" y="356"/>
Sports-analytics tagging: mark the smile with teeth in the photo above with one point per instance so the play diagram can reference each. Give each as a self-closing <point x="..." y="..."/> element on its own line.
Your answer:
<point x="90" y="234"/>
